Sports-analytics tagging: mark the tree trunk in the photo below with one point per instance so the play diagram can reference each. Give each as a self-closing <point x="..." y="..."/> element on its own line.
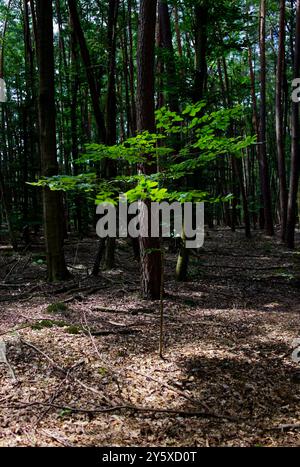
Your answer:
<point x="111" y="111"/>
<point x="131" y="69"/>
<point x="201" y="19"/>
<point x="295" y="153"/>
<point x="182" y="261"/>
<point x="85" y="55"/>
<point x="177" y="30"/>
<point x="151" y="263"/>
<point x="52" y="200"/>
<point x="3" y="194"/>
<point x="255" y="118"/>
<point x="126" y="79"/>
<point x="165" y="35"/>
<point x="266" y="192"/>
<point x="3" y="40"/>
<point x="283" y="194"/>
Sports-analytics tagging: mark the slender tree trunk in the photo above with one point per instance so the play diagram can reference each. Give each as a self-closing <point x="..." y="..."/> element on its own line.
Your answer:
<point x="7" y="211"/>
<point x="111" y="111"/>
<point x="34" y="20"/>
<point x="182" y="261"/>
<point x="201" y="19"/>
<point x="126" y="77"/>
<point x="177" y="30"/>
<point x="262" y="130"/>
<point x="30" y="115"/>
<point x="74" y="127"/>
<point x="111" y="101"/>
<point x="283" y="194"/>
<point x="150" y="251"/>
<point x="295" y="155"/>
<point x="52" y="200"/>
<point x="165" y="35"/>
<point x="131" y="69"/>
<point x="238" y="171"/>
<point x="85" y="55"/>
<point x="2" y="44"/>
<point x="255" y="117"/>
<point x="3" y="191"/>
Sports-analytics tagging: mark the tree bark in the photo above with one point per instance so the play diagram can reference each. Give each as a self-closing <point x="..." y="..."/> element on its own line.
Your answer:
<point x="150" y="251"/>
<point x="165" y="35"/>
<point x="283" y="194"/>
<point x="52" y="201"/>
<point x="295" y="154"/>
<point x="201" y="20"/>
<point x="266" y="192"/>
<point x="111" y="111"/>
<point x="85" y="55"/>
<point x="131" y="69"/>
<point x="3" y="40"/>
<point x="255" y="118"/>
<point x="177" y="30"/>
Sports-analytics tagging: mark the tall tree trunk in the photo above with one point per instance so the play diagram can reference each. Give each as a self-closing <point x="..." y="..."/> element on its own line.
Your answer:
<point x="74" y="127"/>
<point x="7" y="213"/>
<point x="131" y="68"/>
<point x="295" y="155"/>
<point x="262" y="129"/>
<point x="3" y="40"/>
<point x="130" y="130"/>
<point x="52" y="200"/>
<point x="283" y="194"/>
<point x="111" y="100"/>
<point x="177" y="30"/>
<point x="151" y="263"/>
<point x="255" y="118"/>
<point x="111" y="110"/>
<point x="3" y="191"/>
<point x="165" y="35"/>
<point x="201" y="20"/>
<point x="86" y="59"/>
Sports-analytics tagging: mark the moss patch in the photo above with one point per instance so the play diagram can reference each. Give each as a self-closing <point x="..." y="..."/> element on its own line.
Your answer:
<point x="74" y="329"/>
<point x="58" y="307"/>
<point x="47" y="323"/>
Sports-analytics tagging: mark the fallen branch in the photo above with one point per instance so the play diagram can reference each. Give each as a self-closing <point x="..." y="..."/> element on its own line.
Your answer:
<point x="132" y="408"/>
<point x="106" y="332"/>
<point x="287" y="427"/>
<point x="103" y="309"/>
<point x="3" y="359"/>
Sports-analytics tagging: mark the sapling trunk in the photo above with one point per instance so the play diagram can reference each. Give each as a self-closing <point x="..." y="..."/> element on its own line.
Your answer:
<point x="183" y="261"/>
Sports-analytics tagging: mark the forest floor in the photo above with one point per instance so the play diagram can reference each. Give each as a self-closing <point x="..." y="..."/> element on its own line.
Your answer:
<point x="88" y="373"/>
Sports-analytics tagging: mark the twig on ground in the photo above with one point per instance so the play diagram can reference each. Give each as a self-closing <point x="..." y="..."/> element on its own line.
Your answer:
<point x="287" y="427"/>
<point x="132" y="408"/>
